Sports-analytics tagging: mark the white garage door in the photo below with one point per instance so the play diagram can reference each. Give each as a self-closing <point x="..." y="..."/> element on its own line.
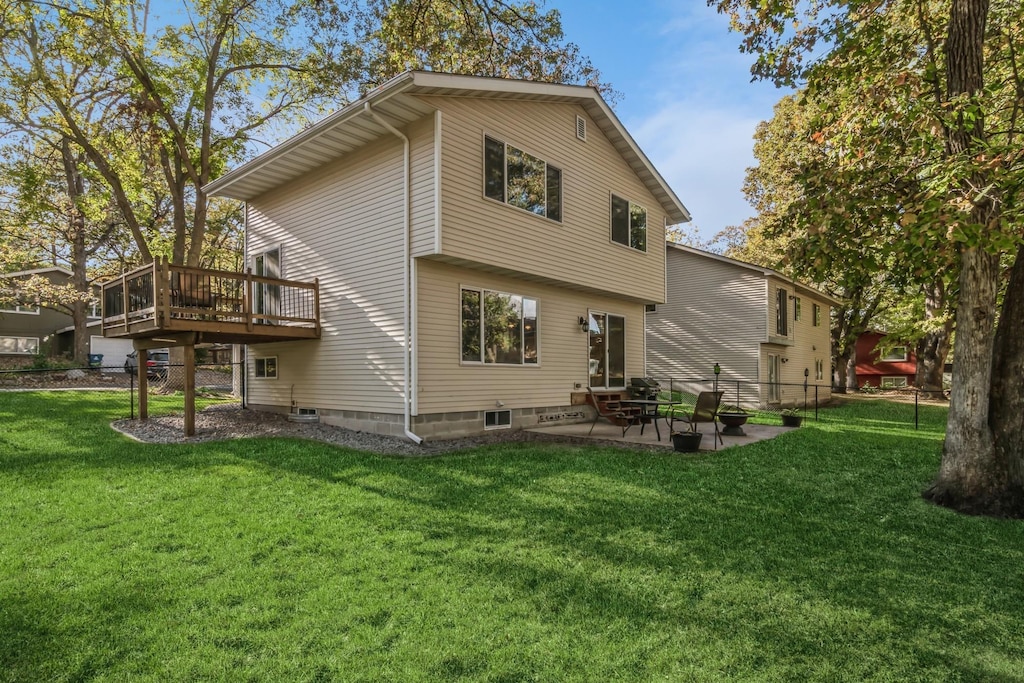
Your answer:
<point x="114" y="351"/>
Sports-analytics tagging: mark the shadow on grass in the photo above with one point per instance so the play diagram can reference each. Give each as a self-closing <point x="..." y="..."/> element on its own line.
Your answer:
<point x="779" y="559"/>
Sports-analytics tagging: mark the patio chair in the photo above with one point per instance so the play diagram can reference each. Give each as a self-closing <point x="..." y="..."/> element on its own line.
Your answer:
<point x="704" y="410"/>
<point x="613" y="412"/>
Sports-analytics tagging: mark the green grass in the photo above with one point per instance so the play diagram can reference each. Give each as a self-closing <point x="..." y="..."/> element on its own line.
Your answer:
<point x="809" y="557"/>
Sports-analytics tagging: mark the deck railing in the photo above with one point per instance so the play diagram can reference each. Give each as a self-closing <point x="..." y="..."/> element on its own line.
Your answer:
<point x="166" y="296"/>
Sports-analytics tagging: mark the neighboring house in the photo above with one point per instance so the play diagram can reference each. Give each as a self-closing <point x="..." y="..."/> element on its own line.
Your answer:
<point x="489" y="243"/>
<point x="896" y="368"/>
<point x="28" y="329"/>
<point x="764" y="329"/>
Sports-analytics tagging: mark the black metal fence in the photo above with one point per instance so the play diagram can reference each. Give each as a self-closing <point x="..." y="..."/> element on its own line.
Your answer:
<point x="772" y="400"/>
<point x="764" y="399"/>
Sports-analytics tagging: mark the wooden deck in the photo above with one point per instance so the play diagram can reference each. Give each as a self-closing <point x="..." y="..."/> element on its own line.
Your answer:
<point x="162" y="300"/>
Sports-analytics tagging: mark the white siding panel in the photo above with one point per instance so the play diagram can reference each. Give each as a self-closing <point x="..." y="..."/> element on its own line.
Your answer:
<point x="714" y="314"/>
<point x="446" y="385"/>
<point x="577" y="250"/>
<point x="342" y="224"/>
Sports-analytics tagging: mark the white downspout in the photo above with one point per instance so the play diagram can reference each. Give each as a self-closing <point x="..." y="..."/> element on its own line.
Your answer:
<point x="406" y="276"/>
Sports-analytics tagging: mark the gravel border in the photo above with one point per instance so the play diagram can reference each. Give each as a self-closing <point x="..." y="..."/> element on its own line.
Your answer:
<point x="231" y="421"/>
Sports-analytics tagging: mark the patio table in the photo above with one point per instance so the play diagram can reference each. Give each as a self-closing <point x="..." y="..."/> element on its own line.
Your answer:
<point x="649" y="411"/>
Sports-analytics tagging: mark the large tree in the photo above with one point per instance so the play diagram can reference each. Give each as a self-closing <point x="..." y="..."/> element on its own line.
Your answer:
<point x="950" y="75"/>
<point x="192" y="90"/>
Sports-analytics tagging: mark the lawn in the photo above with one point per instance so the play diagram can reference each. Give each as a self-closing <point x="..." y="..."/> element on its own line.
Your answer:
<point x="809" y="557"/>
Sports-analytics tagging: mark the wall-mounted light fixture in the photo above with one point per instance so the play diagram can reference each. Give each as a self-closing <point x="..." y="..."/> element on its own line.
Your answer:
<point x="785" y="360"/>
<point x="584" y="325"/>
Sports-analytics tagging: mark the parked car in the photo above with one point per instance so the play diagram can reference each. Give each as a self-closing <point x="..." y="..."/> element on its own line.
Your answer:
<point x="156" y="365"/>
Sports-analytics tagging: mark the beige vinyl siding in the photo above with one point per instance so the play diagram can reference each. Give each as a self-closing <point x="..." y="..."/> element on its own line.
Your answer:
<point x="714" y="314"/>
<point x="577" y="251"/>
<point x="446" y="385"/>
<point x="422" y="205"/>
<point x="807" y="344"/>
<point x="343" y="224"/>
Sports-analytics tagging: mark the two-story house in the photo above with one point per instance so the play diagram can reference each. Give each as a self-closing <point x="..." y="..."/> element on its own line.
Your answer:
<point x="895" y="368"/>
<point x="767" y="332"/>
<point x="30" y="327"/>
<point x="484" y="250"/>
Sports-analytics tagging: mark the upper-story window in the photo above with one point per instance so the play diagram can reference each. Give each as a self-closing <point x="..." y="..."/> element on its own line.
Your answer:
<point x="15" y="302"/>
<point x="895" y="354"/>
<point x="796" y="308"/>
<point x="629" y="223"/>
<point x="816" y="312"/>
<point x="781" y="318"/>
<point x="514" y="177"/>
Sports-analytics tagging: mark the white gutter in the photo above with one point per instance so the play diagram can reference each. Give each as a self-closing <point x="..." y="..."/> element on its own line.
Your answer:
<point x="406" y="275"/>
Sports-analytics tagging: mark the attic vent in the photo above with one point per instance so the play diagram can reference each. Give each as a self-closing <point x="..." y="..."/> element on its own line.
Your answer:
<point x="581" y="128"/>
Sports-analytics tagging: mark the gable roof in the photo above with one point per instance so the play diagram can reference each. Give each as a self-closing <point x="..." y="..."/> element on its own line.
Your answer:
<point x="349" y="129"/>
<point x="767" y="272"/>
<point x="38" y="271"/>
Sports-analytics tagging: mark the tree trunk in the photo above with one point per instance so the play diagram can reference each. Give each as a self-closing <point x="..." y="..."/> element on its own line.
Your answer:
<point x="841" y="371"/>
<point x="933" y="348"/>
<point x="971" y="478"/>
<point x="1007" y="399"/>
<point x="851" y="371"/>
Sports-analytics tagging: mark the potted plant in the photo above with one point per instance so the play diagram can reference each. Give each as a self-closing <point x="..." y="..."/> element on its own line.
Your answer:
<point x="733" y="417"/>
<point x="688" y="441"/>
<point x="791" y="417"/>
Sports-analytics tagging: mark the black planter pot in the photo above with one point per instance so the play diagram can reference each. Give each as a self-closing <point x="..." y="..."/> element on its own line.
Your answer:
<point x="792" y="420"/>
<point x="686" y="442"/>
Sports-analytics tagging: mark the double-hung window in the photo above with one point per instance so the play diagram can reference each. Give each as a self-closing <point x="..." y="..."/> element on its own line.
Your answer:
<point x="781" y="318"/>
<point x="629" y="223"/>
<point x="816" y="312"/>
<point x="499" y="328"/>
<point x="514" y="177"/>
<point x="266" y="368"/>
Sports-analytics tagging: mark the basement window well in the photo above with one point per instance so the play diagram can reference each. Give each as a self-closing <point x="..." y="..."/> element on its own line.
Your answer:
<point x="498" y="419"/>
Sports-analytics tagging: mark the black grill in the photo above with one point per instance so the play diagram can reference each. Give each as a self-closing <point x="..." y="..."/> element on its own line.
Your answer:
<point x="644" y="388"/>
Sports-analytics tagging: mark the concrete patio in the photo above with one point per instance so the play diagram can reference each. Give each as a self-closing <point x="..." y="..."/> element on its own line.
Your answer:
<point x="606" y="431"/>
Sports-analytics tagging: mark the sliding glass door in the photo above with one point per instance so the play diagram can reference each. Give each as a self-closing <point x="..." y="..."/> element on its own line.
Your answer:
<point x="607" y="357"/>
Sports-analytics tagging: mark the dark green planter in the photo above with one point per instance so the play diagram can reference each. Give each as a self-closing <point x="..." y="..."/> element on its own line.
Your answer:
<point x="686" y="442"/>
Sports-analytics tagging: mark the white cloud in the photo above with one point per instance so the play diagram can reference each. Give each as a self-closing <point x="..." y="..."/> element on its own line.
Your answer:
<point x="703" y="154"/>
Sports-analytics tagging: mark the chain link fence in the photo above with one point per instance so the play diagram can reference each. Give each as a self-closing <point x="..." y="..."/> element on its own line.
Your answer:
<point x="223" y="380"/>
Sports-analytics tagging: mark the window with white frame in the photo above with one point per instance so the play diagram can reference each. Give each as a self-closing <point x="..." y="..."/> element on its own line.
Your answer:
<point x="629" y="223"/>
<point x="266" y="368"/>
<point x="781" y="312"/>
<point x="894" y="382"/>
<point x="894" y="355"/>
<point x="819" y="369"/>
<point x="607" y="359"/>
<point x="796" y="308"/>
<point x="499" y="328"/>
<point x="16" y="302"/>
<point x="816" y="315"/>
<point x="515" y="177"/>
<point x="27" y="346"/>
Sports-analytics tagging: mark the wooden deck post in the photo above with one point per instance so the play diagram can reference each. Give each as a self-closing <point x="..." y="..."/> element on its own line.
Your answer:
<point x="142" y="358"/>
<point x="190" y="390"/>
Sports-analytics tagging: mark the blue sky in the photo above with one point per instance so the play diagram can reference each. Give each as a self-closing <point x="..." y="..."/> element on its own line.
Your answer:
<point x="686" y="95"/>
